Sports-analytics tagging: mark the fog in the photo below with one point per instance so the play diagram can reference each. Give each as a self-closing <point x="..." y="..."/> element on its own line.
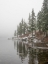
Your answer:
<point x="12" y="11"/>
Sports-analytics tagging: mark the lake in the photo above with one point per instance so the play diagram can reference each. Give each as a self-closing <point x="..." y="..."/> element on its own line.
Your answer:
<point x="16" y="52"/>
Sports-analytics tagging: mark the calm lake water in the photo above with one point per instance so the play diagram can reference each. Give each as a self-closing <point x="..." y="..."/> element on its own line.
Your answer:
<point x="15" y="52"/>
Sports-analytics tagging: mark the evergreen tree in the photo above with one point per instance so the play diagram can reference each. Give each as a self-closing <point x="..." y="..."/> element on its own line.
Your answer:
<point x="24" y="28"/>
<point x="15" y="33"/>
<point x="29" y="23"/>
<point x="39" y="21"/>
<point x="21" y="28"/>
<point x="22" y="22"/>
<point x="32" y="26"/>
<point x="17" y="30"/>
<point x="45" y="17"/>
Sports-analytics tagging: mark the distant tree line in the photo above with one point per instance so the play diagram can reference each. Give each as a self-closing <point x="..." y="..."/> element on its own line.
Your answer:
<point x="39" y="22"/>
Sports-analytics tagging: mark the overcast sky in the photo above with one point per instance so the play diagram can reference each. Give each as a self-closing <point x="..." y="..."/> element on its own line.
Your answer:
<point x="12" y="11"/>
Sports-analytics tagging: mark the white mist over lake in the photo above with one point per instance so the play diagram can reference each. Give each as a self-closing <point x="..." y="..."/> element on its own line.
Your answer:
<point x="12" y="11"/>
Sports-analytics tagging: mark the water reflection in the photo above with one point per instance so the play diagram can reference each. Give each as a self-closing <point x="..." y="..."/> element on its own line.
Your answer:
<point x="43" y="56"/>
<point x="21" y="49"/>
<point x="15" y="44"/>
<point x="35" y="56"/>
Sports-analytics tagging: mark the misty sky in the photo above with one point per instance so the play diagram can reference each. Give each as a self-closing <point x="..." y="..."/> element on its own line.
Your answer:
<point x="12" y="11"/>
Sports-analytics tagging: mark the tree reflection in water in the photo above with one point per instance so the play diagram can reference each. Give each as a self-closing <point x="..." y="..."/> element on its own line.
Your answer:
<point x="43" y="56"/>
<point x="21" y="49"/>
<point x="35" y="56"/>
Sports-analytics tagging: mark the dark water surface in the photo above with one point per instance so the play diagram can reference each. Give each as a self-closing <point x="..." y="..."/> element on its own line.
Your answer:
<point x="15" y="52"/>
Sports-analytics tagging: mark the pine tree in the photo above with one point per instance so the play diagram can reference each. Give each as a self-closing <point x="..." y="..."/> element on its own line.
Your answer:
<point x="25" y="27"/>
<point x="29" y="23"/>
<point x="32" y="21"/>
<point x="17" y="30"/>
<point x="39" y="21"/>
<point x="21" y="28"/>
<point x="22" y="22"/>
<point x="15" y="33"/>
<point x="45" y="17"/>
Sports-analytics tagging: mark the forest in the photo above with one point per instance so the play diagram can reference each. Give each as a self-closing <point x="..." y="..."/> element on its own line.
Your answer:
<point x="35" y="24"/>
